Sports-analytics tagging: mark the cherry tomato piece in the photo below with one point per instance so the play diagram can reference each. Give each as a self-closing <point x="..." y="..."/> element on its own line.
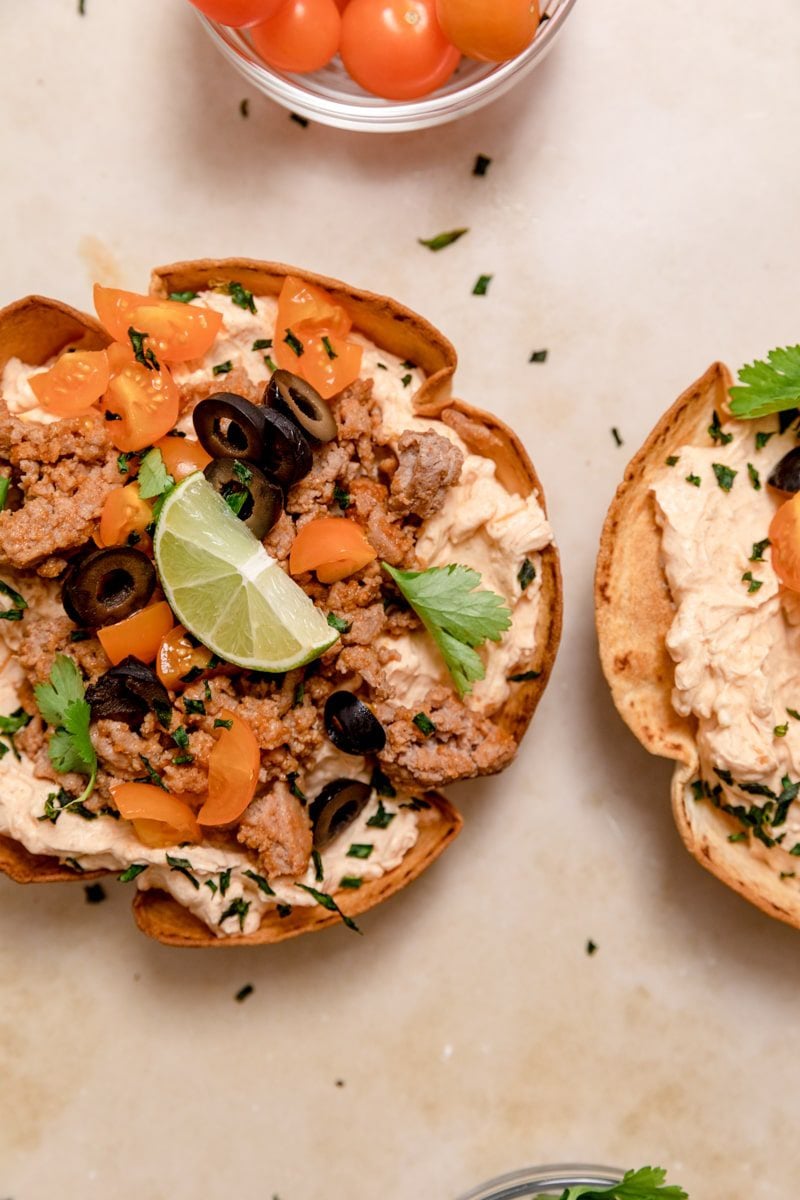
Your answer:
<point x="492" y="32"/>
<point x="302" y="36"/>
<point x="784" y="538"/>
<point x="140" y="405"/>
<point x="311" y="338"/>
<point x="178" y="657"/>
<point x="159" y="818"/>
<point x="233" y="767"/>
<point x="237" y="13"/>
<point x="124" y="513"/>
<point x="73" y="384"/>
<point x="334" y="547"/>
<point x="139" y="635"/>
<point x="182" y="456"/>
<point x="396" y="48"/>
<point x="175" y="332"/>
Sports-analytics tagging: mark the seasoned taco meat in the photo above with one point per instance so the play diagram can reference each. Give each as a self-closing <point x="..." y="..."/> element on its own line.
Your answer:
<point x="428" y="465"/>
<point x="277" y="827"/>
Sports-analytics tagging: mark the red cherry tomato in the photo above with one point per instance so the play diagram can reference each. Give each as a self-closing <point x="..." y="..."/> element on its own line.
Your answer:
<point x="73" y="384"/>
<point x="141" y="406"/>
<point x="302" y="36"/>
<point x="310" y="338"/>
<point x="396" y="48"/>
<point x="176" y="332"/>
<point x="233" y="767"/>
<point x="493" y="31"/>
<point x="238" y="12"/>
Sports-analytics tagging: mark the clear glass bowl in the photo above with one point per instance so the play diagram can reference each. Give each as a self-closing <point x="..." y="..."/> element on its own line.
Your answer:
<point x="535" y="1181"/>
<point x="331" y="97"/>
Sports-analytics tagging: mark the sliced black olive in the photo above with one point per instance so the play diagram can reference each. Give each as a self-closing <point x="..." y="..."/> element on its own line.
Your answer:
<point x="351" y="726"/>
<point x="303" y="404"/>
<point x="337" y="805"/>
<point x="229" y="426"/>
<point x="250" y="494"/>
<point x="126" y="692"/>
<point x="287" y="455"/>
<point x="785" y="475"/>
<point x="108" y="585"/>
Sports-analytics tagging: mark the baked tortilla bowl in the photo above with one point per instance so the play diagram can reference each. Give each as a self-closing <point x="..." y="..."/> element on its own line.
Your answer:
<point x="634" y="611"/>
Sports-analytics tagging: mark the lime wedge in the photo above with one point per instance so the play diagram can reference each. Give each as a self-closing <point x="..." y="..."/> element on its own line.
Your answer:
<point x="224" y="587"/>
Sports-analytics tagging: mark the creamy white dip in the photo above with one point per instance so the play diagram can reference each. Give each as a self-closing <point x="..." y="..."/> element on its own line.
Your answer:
<point x="735" y="638"/>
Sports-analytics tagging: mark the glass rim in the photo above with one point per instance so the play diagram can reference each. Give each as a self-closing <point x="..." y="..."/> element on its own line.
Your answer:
<point x="517" y="1185"/>
<point x="367" y="113"/>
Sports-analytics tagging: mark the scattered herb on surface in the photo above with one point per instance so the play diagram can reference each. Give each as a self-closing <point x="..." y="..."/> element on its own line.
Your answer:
<point x="715" y="431"/>
<point x="360" y="850"/>
<point x="526" y="574"/>
<point x="341" y="497"/>
<point x="694" y="480"/>
<point x="644" y="1184"/>
<point x="222" y="368"/>
<point x="18" y="603"/>
<point x="382" y="819"/>
<point x="211" y="886"/>
<point x="154" y="478"/>
<point x="237" y="908"/>
<point x="95" y="893"/>
<point x="294" y="788"/>
<point x="152" y="774"/>
<point x="222" y="723"/>
<point x="382" y="784"/>
<point x="737" y="837"/>
<point x="725" y="475"/>
<point x="298" y="120"/>
<point x="591" y="947"/>
<point x="183" y="297"/>
<point x="406" y="380"/>
<point x="442" y="239"/>
<point x="183" y="867"/>
<point x="81" y="8"/>
<point x="241" y="297"/>
<point x="482" y="285"/>
<point x="424" y="724"/>
<point x="225" y="880"/>
<point x="5" y="484"/>
<point x="753" y="584"/>
<point x="672" y="459"/>
<point x="338" y="624"/>
<point x="261" y="883"/>
<point x="270" y="363"/>
<point x="294" y="343"/>
<point x="758" y="550"/>
<point x="62" y="704"/>
<point x="538" y="356"/>
<point x="131" y="872"/>
<point x="328" y="902"/>
<point x="319" y="870"/>
<point x="763" y="438"/>
<point x="524" y="676"/>
<point x="248" y="988"/>
<point x="781" y="730"/>
<point x="262" y="344"/>
<point x="482" y="164"/>
<point x="793" y="713"/>
<point x="768" y="386"/>
<point x="146" y="357"/>
<point x="244" y="108"/>
<point x="616" y="436"/>
<point x="328" y="348"/>
<point x="299" y="694"/>
<point x="351" y="881"/>
<point x="194" y="706"/>
<point x="60" y="802"/>
<point x="12" y="724"/>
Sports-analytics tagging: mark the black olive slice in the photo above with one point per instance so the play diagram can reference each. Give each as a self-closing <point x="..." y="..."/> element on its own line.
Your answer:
<point x="228" y="426"/>
<point x="107" y="586"/>
<point x="351" y="726"/>
<point x="287" y="454"/>
<point x="253" y="498"/>
<point x="126" y="692"/>
<point x="302" y="403"/>
<point x="337" y="805"/>
<point x="785" y="475"/>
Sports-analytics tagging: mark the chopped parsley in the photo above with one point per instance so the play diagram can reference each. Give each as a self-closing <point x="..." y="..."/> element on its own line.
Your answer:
<point x="763" y="438"/>
<point x="183" y="297"/>
<point x="793" y="713"/>
<point x="60" y="802"/>
<point x="645" y="1184"/>
<point x="194" y="706"/>
<point x="758" y="550"/>
<point x="294" y="343"/>
<point x="298" y="120"/>
<point x="715" y="431"/>
<point x="296" y="791"/>
<point x="319" y="870"/>
<point x="299" y="694"/>
<point x="482" y="164"/>
<point x="244" y="111"/>
<point x="262" y="344"/>
<point x="225" y="880"/>
<point x="123" y="460"/>
<point x="222" y="368"/>
<point x="526" y="574"/>
<point x="424" y="724"/>
<point x="328" y="348"/>
<point x="261" y="883"/>
<point x="241" y="297"/>
<point x="5" y="484"/>
<point x="183" y="867"/>
<point x="181" y="739"/>
<point x="154" y="478"/>
<point x="237" y="908"/>
<point x="406" y="380"/>
<point x="341" y="497"/>
<point x="694" y="480"/>
<point x="221" y="723"/>
<point x="753" y="585"/>
<point x="538" y="356"/>
<point x="725" y="475"/>
<point x="768" y="386"/>
<point x="781" y="730"/>
<point x="328" y="902"/>
<point x="95" y="893"/>
<point x="672" y="459"/>
<point x="132" y="871"/>
<point x="360" y="850"/>
<point x="270" y="363"/>
<point x="754" y="477"/>
<point x="146" y="357"/>
<point x="11" y="725"/>
<point x="382" y="819"/>
<point x="441" y="240"/>
<point x="338" y="624"/>
<point x="591" y="947"/>
<point x="248" y="988"/>
<point x="62" y="704"/>
<point x="616" y="435"/>
<point x="382" y="784"/>
<point x="18" y="603"/>
<point x="152" y="774"/>
<point x="482" y="285"/>
<point x="351" y="881"/>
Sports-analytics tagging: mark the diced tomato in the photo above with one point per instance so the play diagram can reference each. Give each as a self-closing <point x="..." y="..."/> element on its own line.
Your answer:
<point x="175" y="332"/>
<point x="784" y="540"/>
<point x="178" y="657"/>
<point x="125" y="513"/>
<point x="139" y="635"/>
<point x="73" y="384"/>
<point x="311" y="338"/>
<point x="140" y="405"/>
<point x="233" y="768"/>
<point x="334" y="547"/>
<point x="159" y="818"/>
<point x="182" y="456"/>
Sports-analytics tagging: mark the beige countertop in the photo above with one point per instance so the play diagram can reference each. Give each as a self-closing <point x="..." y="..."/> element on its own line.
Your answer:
<point x="640" y="220"/>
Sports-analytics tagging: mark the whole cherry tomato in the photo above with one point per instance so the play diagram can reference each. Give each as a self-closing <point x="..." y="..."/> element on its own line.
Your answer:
<point x="140" y="405"/>
<point x="73" y="384"/>
<point x="396" y="48"/>
<point x="302" y="36"/>
<point x="491" y="32"/>
<point x="175" y="332"/>
<point x="238" y="12"/>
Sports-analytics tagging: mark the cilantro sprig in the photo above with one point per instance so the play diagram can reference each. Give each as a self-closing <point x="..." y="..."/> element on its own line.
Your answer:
<point x="768" y="386"/>
<point x="457" y="613"/>
<point x="63" y="705"/>
<point x="154" y="479"/>
<point x="644" y="1184"/>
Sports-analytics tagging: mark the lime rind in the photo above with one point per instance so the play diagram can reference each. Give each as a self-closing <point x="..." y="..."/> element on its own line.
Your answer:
<point x="225" y="588"/>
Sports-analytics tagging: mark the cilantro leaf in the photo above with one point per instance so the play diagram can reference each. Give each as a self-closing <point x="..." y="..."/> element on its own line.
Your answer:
<point x="768" y="386"/>
<point x="154" y="478"/>
<point x="441" y="240"/>
<point x="457" y="614"/>
<point x="645" y="1184"/>
<point x="63" y="705"/>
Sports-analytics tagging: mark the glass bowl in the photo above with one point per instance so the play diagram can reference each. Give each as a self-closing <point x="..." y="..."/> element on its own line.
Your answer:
<point x="533" y="1181"/>
<point x="333" y="98"/>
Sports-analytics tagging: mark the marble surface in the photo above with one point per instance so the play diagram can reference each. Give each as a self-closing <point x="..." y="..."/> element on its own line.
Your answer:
<point x="639" y="220"/>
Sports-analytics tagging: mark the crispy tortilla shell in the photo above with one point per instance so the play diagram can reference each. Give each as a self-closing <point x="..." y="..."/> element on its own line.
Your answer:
<point x="634" y="611"/>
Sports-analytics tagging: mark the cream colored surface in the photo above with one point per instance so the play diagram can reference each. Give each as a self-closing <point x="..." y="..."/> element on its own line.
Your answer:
<point x="639" y="218"/>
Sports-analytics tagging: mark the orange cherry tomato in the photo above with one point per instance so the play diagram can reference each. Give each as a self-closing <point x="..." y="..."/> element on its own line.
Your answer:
<point x="139" y="635"/>
<point x="159" y="818"/>
<point x="175" y="332"/>
<point x="784" y="539"/>
<point x="311" y="338"/>
<point x="303" y="35"/>
<point x="73" y="384"/>
<point x="143" y="403"/>
<point x="182" y="456"/>
<point x="334" y="547"/>
<point x="233" y="768"/>
<point x="124" y="513"/>
<point x="238" y="12"/>
<point x="491" y="32"/>
<point x="178" y="657"/>
<point x="396" y="48"/>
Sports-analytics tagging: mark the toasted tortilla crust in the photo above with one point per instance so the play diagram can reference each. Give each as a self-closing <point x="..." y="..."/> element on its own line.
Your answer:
<point x="36" y="329"/>
<point x="634" y="611"/>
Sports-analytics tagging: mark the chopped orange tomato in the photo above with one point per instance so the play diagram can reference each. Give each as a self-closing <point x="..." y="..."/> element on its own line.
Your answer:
<point x="311" y="338"/>
<point x="73" y="384"/>
<point x="124" y="513"/>
<point x="175" y="332"/>
<point x="182" y="456"/>
<point x="177" y="657"/>
<point x="784" y="540"/>
<point x="333" y="547"/>
<point x="233" y="767"/>
<point x="139" y="635"/>
<point x="159" y="818"/>
<point x="140" y="405"/>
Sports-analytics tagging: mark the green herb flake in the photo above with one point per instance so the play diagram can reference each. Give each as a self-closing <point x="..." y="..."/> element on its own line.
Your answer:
<point x="221" y="723"/>
<point x="351" y="881"/>
<point x="270" y="364"/>
<point x="146" y="357"/>
<point x="381" y="819"/>
<point x="131" y="872"/>
<point x="341" y="497"/>
<point x="319" y="870"/>
<point x="482" y="285"/>
<point x="758" y="550"/>
<point x="795" y="850"/>
<point x="238" y="908"/>
<point x="183" y="867"/>
<point x="183" y="297"/>
<point x="381" y="783"/>
<point x="441" y="240"/>
<point x="261" y="883"/>
<point x="526" y="574"/>
<point x="753" y="585"/>
<point x="303" y="122"/>
<point x="524" y="676"/>
<point x="248" y="988"/>
<point x="360" y="850"/>
<point x="194" y="706"/>
<point x="538" y="356"/>
<point x="5" y="484"/>
<point x="737" y="837"/>
<point x="242" y="472"/>
<point x="212" y="887"/>
<point x="225" y="880"/>
<point x="244" y="111"/>
<point x="222" y="368"/>
<point x="672" y="459"/>
<point x="715" y="431"/>
<point x="694" y="480"/>
<point x="482" y="164"/>
<point x="781" y="730"/>
<point x="154" y="478"/>
<point x="406" y="380"/>
<point x="763" y="438"/>
<point x="18" y="603"/>
<point x="615" y="433"/>
<point x="152" y="774"/>
<point x="299" y="695"/>
<point x="725" y="476"/>
<point x="424" y="724"/>
<point x="296" y="791"/>
<point x="591" y="947"/>
<point x="328" y="348"/>
<point x="327" y="902"/>
<point x="793" y="713"/>
<point x="262" y="344"/>
<point x="294" y="343"/>
<point x="338" y="624"/>
<point x="241" y="297"/>
<point x="648" y="1183"/>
